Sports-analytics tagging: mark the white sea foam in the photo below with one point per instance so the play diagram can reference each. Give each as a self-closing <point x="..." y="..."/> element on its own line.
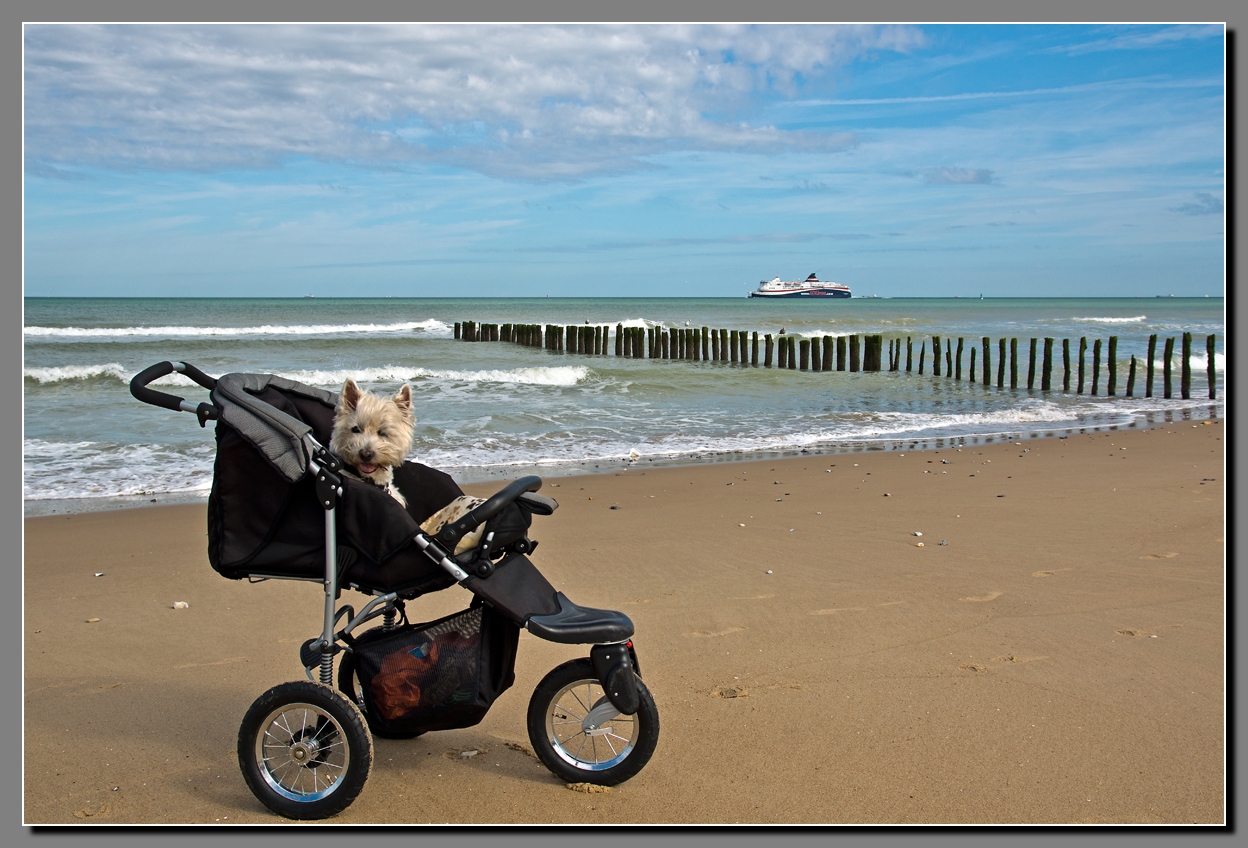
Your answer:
<point x="567" y="375"/>
<point x="562" y="375"/>
<point x="56" y="470"/>
<point x="109" y="372"/>
<point x="431" y="327"/>
<point x="1138" y="319"/>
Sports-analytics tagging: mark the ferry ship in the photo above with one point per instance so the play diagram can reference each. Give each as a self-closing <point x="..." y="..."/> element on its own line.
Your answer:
<point x="810" y="287"/>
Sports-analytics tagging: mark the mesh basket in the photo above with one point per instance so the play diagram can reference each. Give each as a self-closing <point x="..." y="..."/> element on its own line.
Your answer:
<point x="438" y="675"/>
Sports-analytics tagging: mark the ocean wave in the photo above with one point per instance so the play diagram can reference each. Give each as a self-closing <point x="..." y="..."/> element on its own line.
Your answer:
<point x="428" y="327"/>
<point x="55" y="470"/>
<point x="562" y="375"/>
<point x="109" y="372"/>
<point x="1138" y="319"/>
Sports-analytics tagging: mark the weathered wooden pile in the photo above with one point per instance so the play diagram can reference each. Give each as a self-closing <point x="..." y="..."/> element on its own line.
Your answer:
<point x="859" y="353"/>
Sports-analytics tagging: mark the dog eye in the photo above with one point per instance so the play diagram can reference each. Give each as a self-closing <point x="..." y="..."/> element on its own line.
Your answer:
<point x="355" y="429"/>
<point x="381" y="433"/>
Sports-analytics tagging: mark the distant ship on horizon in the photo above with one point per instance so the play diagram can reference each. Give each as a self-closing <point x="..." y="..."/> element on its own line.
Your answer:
<point x="810" y="287"/>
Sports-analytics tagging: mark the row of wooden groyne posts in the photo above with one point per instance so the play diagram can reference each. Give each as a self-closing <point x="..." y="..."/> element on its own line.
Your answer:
<point x="855" y="353"/>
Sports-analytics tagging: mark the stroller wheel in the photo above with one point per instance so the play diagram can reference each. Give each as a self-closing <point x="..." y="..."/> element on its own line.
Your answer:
<point x="304" y="750"/>
<point x="349" y="684"/>
<point x="607" y="754"/>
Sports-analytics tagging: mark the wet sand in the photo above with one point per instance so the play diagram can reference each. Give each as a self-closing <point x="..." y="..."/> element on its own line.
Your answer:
<point x="1060" y="659"/>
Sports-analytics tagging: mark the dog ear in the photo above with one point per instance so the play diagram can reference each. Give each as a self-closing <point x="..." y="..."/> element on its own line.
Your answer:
<point x="350" y="396"/>
<point x="403" y="398"/>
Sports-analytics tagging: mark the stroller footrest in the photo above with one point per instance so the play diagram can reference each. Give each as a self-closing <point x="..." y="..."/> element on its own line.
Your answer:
<point x="576" y="625"/>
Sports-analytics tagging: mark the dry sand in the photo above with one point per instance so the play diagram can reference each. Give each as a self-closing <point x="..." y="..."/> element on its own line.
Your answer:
<point x="1061" y="659"/>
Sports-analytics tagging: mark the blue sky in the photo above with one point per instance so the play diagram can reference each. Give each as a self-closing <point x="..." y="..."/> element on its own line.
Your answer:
<point x="623" y="161"/>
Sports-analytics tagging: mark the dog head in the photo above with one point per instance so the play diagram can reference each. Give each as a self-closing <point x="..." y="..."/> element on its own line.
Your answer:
<point x="373" y="433"/>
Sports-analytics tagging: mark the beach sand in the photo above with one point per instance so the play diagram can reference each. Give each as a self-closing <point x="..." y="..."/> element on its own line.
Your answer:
<point x="1060" y="659"/>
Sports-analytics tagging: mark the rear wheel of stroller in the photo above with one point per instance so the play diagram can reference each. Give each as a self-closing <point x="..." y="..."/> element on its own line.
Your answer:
<point x="610" y="753"/>
<point x="304" y="750"/>
<point x="349" y="684"/>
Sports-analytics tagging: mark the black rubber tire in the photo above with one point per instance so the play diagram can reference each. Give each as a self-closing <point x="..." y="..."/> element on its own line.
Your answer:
<point x="349" y="685"/>
<point x="568" y="692"/>
<point x="284" y="773"/>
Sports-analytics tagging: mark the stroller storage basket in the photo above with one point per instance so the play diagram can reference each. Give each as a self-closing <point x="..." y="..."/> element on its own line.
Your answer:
<point x="438" y="675"/>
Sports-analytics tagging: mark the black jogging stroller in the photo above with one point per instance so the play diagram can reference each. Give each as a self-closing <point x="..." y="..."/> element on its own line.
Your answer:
<point x="280" y="508"/>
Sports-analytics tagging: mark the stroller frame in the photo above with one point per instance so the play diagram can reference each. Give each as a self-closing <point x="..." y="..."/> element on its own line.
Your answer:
<point x="606" y="686"/>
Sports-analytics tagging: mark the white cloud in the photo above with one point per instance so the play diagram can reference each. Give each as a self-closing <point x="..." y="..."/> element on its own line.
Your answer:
<point x="528" y="101"/>
<point x="956" y="176"/>
<point x="1147" y="40"/>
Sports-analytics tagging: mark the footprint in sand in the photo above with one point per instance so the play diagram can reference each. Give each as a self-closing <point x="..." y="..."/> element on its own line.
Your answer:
<point x="973" y="667"/>
<point x="835" y="610"/>
<point x="752" y="598"/>
<point x="1133" y="633"/>
<point x="989" y="597"/>
<point x="730" y="692"/>
<point x="707" y="633"/>
<point x="891" y="603"/>
<point x="1049" y="573"/>
<point x="1161" y="556"/>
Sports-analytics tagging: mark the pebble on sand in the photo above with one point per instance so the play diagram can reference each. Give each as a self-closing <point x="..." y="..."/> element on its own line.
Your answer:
<point x="180" y="605"/>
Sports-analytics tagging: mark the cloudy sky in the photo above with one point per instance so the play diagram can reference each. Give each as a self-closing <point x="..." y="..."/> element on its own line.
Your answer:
<point x="635" y="160"/>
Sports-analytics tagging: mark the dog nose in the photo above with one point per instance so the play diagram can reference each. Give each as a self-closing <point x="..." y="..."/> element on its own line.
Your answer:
<point x="366" y="454"/>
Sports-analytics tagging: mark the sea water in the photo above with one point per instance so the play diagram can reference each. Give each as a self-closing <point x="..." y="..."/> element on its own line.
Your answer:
<point x="498" y="410"/>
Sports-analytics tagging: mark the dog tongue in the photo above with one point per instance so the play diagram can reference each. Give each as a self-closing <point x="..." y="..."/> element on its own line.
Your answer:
<point x="367" y="469"/>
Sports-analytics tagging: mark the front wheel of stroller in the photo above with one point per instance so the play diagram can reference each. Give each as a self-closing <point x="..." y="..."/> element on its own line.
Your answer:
<point x="610" y="753"/>
<point x="304" y="750"/>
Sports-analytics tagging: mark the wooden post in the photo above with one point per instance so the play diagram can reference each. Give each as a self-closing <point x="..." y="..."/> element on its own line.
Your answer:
<point x="738" y="346"/>
<point x="666" y="348"/>
<point x="783" y="352"/>
<point x="1031" y="367"/>
<point x="840" y="353"/>
<point x="619" y="339"/>
<point x="872" y="348"/>
<point x="1013" y="363"/>
<point x="754" y="349"/>
<point x="1046" y="374"/>
<point x="1167" y="368"/>
<point x="971" y="378"/>
<point x="1209" y="368"/>
<point x="853" y="353"/>
<point x="792" y="353"/>
<point x="909" y="354"/>
<point x="1001" y="363"/>
<point x="457" y="329"/>
<point x="829" y="354"/>
<point x="743" y="345"/>
<point x="639" y="351"/>
<point x="1131" y="378"/>
<point x="715" y="345"/>
<point x="768" y="344"/>
<point x="1066" y="365"/>
<point x="948" y="358"/>
<point x="958" y="361"/>
<point x="816" y="361"/>
<point x="1096" y="365"/>
<point x="1148" y="365"/>
<point x="1185" y="366"/>
<point x="705" y="343"/>
<point x="987" y="361"/>
<point x="922" y="356"/>
<point x="1111" y="367"/>
<point x="1083" y="349"/>
<point x="804" y="345"/>
<point x="935" y="356"/>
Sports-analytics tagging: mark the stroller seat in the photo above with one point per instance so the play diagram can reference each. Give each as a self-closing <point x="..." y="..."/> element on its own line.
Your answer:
<point x="577" y="625"/>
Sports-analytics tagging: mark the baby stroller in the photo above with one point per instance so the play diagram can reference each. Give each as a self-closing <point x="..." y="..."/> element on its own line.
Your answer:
<point x="281" y="508"/>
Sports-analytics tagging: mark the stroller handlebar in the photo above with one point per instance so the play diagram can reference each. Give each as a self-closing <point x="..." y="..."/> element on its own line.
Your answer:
<point x="453" y="532"/>
<point x="138" y="388"/>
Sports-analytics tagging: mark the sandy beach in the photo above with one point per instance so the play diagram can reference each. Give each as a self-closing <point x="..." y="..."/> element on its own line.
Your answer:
<point x="1050" y="649"/>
